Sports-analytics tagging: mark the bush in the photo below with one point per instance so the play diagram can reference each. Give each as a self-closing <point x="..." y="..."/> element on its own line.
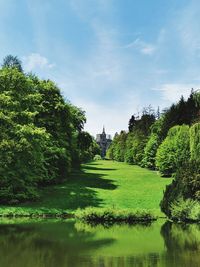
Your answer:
<point x="110" y="216"/>
<point x="185" y="210"/>
<point x="97" y="157"/>
<point x="186" y="185"/>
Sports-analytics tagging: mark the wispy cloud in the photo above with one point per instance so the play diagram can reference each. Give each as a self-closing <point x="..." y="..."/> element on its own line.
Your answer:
<point x="104" y="63"/>
<point x="143" y="47"/>
<point x="172" y="92"/>
<point x="34" y="61"/>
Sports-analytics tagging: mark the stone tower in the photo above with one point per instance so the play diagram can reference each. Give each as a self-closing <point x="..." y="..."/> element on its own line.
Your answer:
<point x="103" y="140"/>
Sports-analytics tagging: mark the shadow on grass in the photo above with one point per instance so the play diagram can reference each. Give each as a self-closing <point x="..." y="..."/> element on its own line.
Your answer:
<point x="77" y="192"/>
<point x="97" y="168"/>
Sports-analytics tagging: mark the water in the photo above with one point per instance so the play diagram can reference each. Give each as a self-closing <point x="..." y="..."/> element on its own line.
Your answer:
<point x="70" y="244"/>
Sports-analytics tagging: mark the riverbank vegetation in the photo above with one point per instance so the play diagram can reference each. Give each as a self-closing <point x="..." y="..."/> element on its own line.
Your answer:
<point x="111" y="216"/>
<point x="170" y="143"/>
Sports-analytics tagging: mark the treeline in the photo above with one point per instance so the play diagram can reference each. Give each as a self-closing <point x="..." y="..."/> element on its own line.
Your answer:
<point x="170" y="143"/>
<point x="41" y="134"/>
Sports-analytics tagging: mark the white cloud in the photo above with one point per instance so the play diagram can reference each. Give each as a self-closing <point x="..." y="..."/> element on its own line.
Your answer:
<point x="114" y="117"/>
<point x="143" y="47"/>
<point x="173" y="91"/>
<point x="34" y="61"/>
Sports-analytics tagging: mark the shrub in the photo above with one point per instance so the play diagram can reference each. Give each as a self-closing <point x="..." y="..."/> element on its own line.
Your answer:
<point x="97" y="157"/>
<point x="186" y="184"/>
<point x="185" y="210"/>
<point x="111" y="216"/>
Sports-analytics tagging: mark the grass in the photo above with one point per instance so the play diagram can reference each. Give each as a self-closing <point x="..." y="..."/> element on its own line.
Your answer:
<point x="103" y="184"/>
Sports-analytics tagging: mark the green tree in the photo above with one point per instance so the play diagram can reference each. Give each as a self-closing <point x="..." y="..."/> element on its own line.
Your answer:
<point x="38" y="135"/>
<point x="22" y="144"/>
<point x="195" y="142"/>
<point x="152" y="145"/>
<point x="174" y="150"/>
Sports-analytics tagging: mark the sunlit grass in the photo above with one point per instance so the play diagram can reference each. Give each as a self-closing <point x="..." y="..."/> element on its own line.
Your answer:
<point x="105" y="184"/>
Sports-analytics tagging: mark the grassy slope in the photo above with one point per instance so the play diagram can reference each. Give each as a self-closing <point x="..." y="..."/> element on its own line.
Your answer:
<point x="100" y="184"/>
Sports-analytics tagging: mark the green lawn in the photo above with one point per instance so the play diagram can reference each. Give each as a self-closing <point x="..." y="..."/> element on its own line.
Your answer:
<point x="100" y="184"/>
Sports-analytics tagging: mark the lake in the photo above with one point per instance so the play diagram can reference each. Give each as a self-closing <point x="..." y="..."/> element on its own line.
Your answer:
<point x="69" y="244"/>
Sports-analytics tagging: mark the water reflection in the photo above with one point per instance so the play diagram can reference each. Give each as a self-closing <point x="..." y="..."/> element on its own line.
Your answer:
<point x="74" y="244"/>
<point x="183" y="244"/>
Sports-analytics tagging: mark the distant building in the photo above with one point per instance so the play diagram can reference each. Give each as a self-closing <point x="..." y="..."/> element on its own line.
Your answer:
<point x="103" y="140"/>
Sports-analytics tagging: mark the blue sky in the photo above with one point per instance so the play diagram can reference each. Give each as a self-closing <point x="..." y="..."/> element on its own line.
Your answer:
<point x="110" y="57"/>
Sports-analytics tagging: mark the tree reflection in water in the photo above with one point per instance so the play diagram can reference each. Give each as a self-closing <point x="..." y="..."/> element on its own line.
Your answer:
<point x="70" y="244"/>
<point x="182" y="242"/>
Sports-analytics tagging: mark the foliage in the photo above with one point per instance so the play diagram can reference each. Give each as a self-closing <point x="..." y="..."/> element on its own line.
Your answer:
<point x="186" y="185"/>
<point x="97" y="157"/>
<point x="184" y="112"/>
<point x="12" y="62"/>
<point x="41" y="134"/>
<point x="87" y="147"/>
<point x="150" y="152"/>
<point x="185" y="210"/>
<point x="110" y="216"/>
<point x="129" y="147"/>
<point x="19" y="212"/>
<point x="174" y="150"/>
<point x="132" y="123"/>
<point x="135" y="147"/>
<point x="152" y="145"/>
<point x="117" y="148"/>
<point x="195" y="142"/>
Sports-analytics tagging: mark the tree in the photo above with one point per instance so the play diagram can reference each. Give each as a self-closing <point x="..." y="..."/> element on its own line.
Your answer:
<point x="195" y="142"/>
<point x="22" y="144"/>
<point x="38" y="135"/>
<point x="152" y="145"/>
<point x="132" y="123"/>
<point x="87" y="147"/>
<point x="186" y="182"/>
<point x="174" y="150"/>
<point x="117" y="148"/>
<point x="12" y="62"/>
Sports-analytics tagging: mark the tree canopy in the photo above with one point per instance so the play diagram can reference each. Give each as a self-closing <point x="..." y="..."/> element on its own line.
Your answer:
<point x="41" y="134"/>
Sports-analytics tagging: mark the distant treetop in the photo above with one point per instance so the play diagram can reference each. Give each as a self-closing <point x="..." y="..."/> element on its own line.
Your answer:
<point x="12" y="62"/>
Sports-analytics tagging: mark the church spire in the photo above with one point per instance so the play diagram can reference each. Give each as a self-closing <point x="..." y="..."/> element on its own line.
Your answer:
<point x="104" y="130"/>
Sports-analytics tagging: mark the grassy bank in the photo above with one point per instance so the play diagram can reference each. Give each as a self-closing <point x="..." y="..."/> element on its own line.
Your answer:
<point x="103" y="184"/>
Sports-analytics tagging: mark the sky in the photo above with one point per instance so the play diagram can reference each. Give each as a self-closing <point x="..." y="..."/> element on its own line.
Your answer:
<point x="109" y="57"/>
